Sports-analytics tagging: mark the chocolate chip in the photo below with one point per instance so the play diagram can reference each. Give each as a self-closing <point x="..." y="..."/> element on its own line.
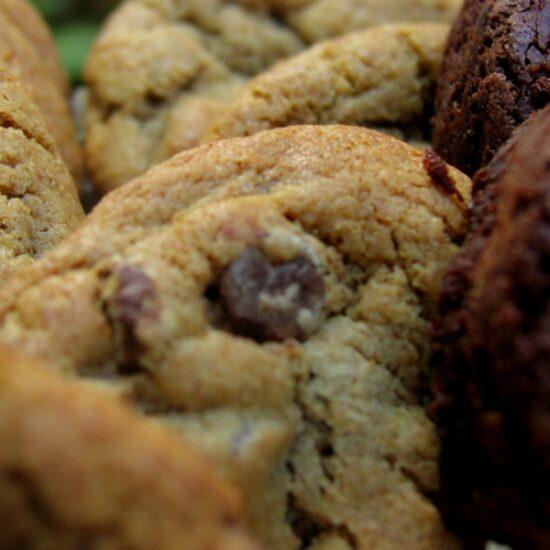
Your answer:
<point x="272" y="301"/>
<point x="135" y="289"/>
<point x="135" y="300"/>
<point x="439" y="173"/>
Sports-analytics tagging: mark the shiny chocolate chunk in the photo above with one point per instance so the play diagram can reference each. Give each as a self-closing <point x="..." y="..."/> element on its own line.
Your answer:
<point x="135" y="290"/>
<point x="272" y="301"/>
<point x="135" y="300"/>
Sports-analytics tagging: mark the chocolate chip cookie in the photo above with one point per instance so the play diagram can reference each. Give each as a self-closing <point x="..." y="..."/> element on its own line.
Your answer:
<point x="493" y="391"/>
<point x="80" y="469"/>
<point x="39" y="204"/>
<point x="29" y="22"/>
<point x="496" y="72"/>
<point x="383" y="77"/>
<point x="161" y="72"/>
<point x="269" y="297"/>
<point x="28" y="50"/>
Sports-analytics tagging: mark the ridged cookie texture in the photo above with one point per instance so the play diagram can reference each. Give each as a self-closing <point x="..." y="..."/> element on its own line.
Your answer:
<point x="268" y="297"/>
<point x="39" y="203"/>
<point x="78" y="469"/>
<point x="162" y="71"/>
<point x="493" y="392"/>
<point x="384" y="77"/>
<point x="496" y="72"/>
<point x="28" y="50"/>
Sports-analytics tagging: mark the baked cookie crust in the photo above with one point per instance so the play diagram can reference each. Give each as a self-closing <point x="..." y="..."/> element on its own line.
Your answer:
<point x="269" y="297"/>
<point x="161" y="72"/>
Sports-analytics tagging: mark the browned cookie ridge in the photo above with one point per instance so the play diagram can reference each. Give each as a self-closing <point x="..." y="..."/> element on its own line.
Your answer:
<point x="496" y="72"/>
<point x="383" y="77"/>
<point x="268" y="297"/>
<point x="493" y="360"/>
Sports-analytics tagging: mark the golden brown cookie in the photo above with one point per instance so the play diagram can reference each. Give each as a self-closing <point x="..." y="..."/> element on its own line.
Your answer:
<point x="80" y="469"/>
<point x="285" y="333"/>
<point x="161" y="72"/>
<point x="26" y="18"/>
<point x="29" y="51"/>
<point x="383" y="77"/>
<point x="39" y="204"/>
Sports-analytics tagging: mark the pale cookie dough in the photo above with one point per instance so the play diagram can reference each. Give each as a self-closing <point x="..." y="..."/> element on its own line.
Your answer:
<point x="383" y="77"/>
<point x="39" y="203"/>
<point x="162" y="71"/>
<point x="285" y="333"/>
<point x="28" y="49"/>
<point x="80" y="470"/>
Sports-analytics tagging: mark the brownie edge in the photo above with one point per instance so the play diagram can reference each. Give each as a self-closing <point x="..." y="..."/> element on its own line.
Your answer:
<point x="492" y="353"/>
<point x="495" y="73"/>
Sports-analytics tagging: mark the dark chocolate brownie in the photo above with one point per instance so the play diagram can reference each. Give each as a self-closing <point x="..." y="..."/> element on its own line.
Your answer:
<point x="492" y="352"/>
<point x="495" y="73"/>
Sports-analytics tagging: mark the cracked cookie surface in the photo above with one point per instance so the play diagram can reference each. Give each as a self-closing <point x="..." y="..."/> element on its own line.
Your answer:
<point x="269" y="298"/>
<point x="79" y="469"/>
<point x="492" y="336"/>
<point x="163" y="71"/>
<point x="383" y="78"/>
<point x="29" y="50"/>
<point x="495" y="73"/>
<point x="39" y="204"/>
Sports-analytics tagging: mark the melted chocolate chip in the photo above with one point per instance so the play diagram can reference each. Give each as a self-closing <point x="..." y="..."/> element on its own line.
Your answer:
<point x="135" y="300"/>
<point x="135" y="289"/>
<point x="439" y="173"/>
<point x="267" y="301"/>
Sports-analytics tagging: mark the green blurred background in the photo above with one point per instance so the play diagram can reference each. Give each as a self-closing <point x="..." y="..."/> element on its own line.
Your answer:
<point x="75" y="24"/>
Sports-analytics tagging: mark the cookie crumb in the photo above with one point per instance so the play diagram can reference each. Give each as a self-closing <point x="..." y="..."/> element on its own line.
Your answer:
<point x="439" y="173"/>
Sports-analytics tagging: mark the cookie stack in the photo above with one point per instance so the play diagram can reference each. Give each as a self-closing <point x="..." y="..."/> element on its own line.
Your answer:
<point x="297" y="332"/>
